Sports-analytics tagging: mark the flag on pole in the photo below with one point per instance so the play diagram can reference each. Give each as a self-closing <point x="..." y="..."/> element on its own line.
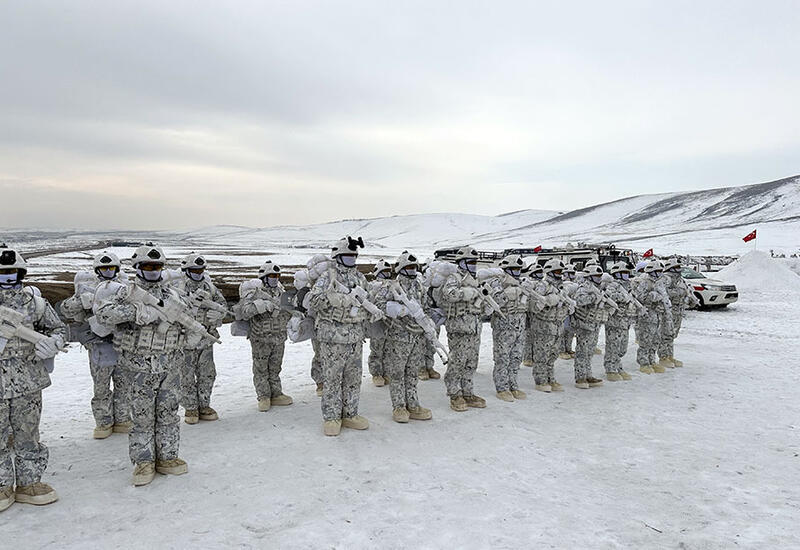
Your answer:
<point x="648" y="253"/>
<point x="750" y="236"/>
<point x="538" y="249"/>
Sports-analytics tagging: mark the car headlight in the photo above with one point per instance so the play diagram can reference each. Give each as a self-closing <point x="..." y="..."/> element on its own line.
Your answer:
<point x="713" y="288"/>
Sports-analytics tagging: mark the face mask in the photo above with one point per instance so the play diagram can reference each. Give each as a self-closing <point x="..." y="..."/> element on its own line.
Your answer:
<point x="347" y="260"/>
<point x="410" y="273"/>
<point x="556" y="276"/>
<point x="538" y="275"/>
<point x="8" y="280"/>
<point x="571" y="276"/>
<point x="655" y="274"/>
<point x="271" y="282"/>
<point x="596" y="279"/>
<point x="624" y="276"/>
<point x="514" y="272"/>
<point x="107" y="272"/>
<point x="383" y="275"/>
<point x="195" y="276"/>
<point x="149" y="276"/>
<point x="471" y="267"/>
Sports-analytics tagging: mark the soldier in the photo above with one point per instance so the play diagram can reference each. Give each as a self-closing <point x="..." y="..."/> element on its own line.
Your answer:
<point x="592" y="310"/>
<point x="650" y="290"/>
<point x="531" y="275"/>
<point x="261" y="306"/>
<point x="460" y="299"/>
<point x="570" y="285"/>
<point x="619" y="323"/>
<point x="432" y="310"/>
<point x="405" y="341"/>
<point x="509" y="328"/>
<point x="378" y="291"/>
<point x="24" y="373"/>
<point x="151" y="351"/>
<point x="111" y="408"/>
<point x="340" y="309"/>
<point x="209" y="309"/>
<point x="679" y="295"/>
<point x="547" y="318"/>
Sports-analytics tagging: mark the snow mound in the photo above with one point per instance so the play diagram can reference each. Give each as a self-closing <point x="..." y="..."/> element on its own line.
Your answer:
<point x="757" y="271"/>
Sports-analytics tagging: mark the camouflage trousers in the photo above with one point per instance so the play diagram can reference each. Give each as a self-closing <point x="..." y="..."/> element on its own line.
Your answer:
<point x="616" y="347"/>
<point x="108" y="406"/>
<point x="197" y="378"/>
<point x="586" y="337"/>
<point x="464" y="350"/>
<point x="666" y="346"/>
<point x="341" y="367"/>
<point x="403" y="360"/>
<point x="376" y="359"/>
<point x="267" y="365"/>
<point x="154" y="406"/>
<point x="527" y="347"/>
<point x="508" y="338"/>
<point x="544" y="336"/>
<point x="316" y="367"/>
<point x="649" y="338"/>
<point x="26" y="460"/>
<point x="568" y="336"/>
<point x="429" y="353"/>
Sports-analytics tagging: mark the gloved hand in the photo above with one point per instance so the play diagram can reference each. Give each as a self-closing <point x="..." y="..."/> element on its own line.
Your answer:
<point x="146" y="314"/>
<point x="193" y="339"/>
<point x="396" y="309"/>
<point x="470" y="293"/>
<point x="87" y="298"/>
<point x="214" y="317"/>
<point x="552" y="300"/>
<point x="47" y="348"/>
<point x="262" y="306"/>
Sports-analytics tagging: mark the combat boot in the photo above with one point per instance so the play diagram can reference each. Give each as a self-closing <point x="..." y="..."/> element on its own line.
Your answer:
<point x="555" y="386"/>
<point x="598" y="351"/>
<point x="519" y="394"/>
<point x="582" y="384"/>
<point x="332" y="427"/>
<point x="505" y="396"/>
<point x="458" y="404"/>
<point x="613" y="377"/>
<point x="647" y="369"/>
<point x="281" y="400"/>
<point x="475" y="401"/>
<point x="565" y="355"/>
<point x="264" y="404"/>
<point x="676" y="362"/>
<point x="400" y="415"/>
<point x="123" y="427"/>
<point x="419" y="413"/>
<point x="174" y="466"/>
<point x="37" y="493"/>
<point x="593" y="382"/>
<point x="191" y="417"/>
<point x="378" y="381"/>
<point x="143" y="473"/>
<point x="6" y="497"/>
<point x="666" y="363"/>
<point x="527" y="363"/>
<point x="433" y="374"/>
<point x="102" y="432"/>
<point x="624" y="375"/>
<point x="547" y="388"/>
<point x="658" y="367"/>
<point x="319" y="389"/>
<point x="356" y="422"/>
<point x="424" y="374"/>
<point x="208" y="414"/>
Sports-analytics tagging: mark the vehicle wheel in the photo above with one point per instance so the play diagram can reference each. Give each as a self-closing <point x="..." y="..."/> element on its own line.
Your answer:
<point x="700" y="299"/>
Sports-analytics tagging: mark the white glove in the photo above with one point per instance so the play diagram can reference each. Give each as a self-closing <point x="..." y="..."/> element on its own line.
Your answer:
<point x="552" y="300"/>
<point x="193" y="339"/>
<point x="214" y="317"/>
<point x="262" y="306"/>
<point x="87" y="298"/>
<point x="396" y="309"/>
<point x="146" y="314"/>
<point x="46" y="348"/>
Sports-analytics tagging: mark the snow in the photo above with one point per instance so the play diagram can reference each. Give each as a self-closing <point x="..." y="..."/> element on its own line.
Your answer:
<point x="756" y="270"/>
<point x="700" y="457"/>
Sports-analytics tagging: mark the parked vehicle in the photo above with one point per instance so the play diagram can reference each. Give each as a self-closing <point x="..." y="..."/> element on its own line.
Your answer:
<point x="710" y="292"/>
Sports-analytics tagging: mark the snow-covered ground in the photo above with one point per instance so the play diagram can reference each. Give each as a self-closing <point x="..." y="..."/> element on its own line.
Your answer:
<point x="707" y="456"/>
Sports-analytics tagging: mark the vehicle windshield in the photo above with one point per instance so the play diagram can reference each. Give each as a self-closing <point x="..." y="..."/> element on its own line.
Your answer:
<point x="687" y="273"/>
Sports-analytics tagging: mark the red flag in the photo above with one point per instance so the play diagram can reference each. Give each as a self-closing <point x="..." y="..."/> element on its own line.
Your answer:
<point x="538" y="248"/>
<point x="750" y="236"/>
<point x="648" y="253"/>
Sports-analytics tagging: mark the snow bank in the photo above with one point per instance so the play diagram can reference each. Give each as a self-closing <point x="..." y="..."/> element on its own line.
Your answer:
<point x="757" y="271"/>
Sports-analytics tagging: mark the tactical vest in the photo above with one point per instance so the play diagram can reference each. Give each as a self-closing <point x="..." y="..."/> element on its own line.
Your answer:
<point x="33" y="307"/>
<point x="152" y="339"/>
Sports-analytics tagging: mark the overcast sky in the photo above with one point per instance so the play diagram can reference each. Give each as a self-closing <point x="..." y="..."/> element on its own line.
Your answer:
<point x="179" y="114"/>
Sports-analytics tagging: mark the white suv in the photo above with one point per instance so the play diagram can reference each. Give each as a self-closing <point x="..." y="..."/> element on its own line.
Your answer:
<point x="710" y="292"/>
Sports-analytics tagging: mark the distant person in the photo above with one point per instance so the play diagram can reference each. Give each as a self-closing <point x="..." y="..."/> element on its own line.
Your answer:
<point x="25" y="369"/>
<point x="592" y="310"/>
<point x="651" y="291"/>
<point x="111" y="407"/>
<point x="380" y="285"/>
<point x="679" y="297"/>
<point x="619" y="323"/>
